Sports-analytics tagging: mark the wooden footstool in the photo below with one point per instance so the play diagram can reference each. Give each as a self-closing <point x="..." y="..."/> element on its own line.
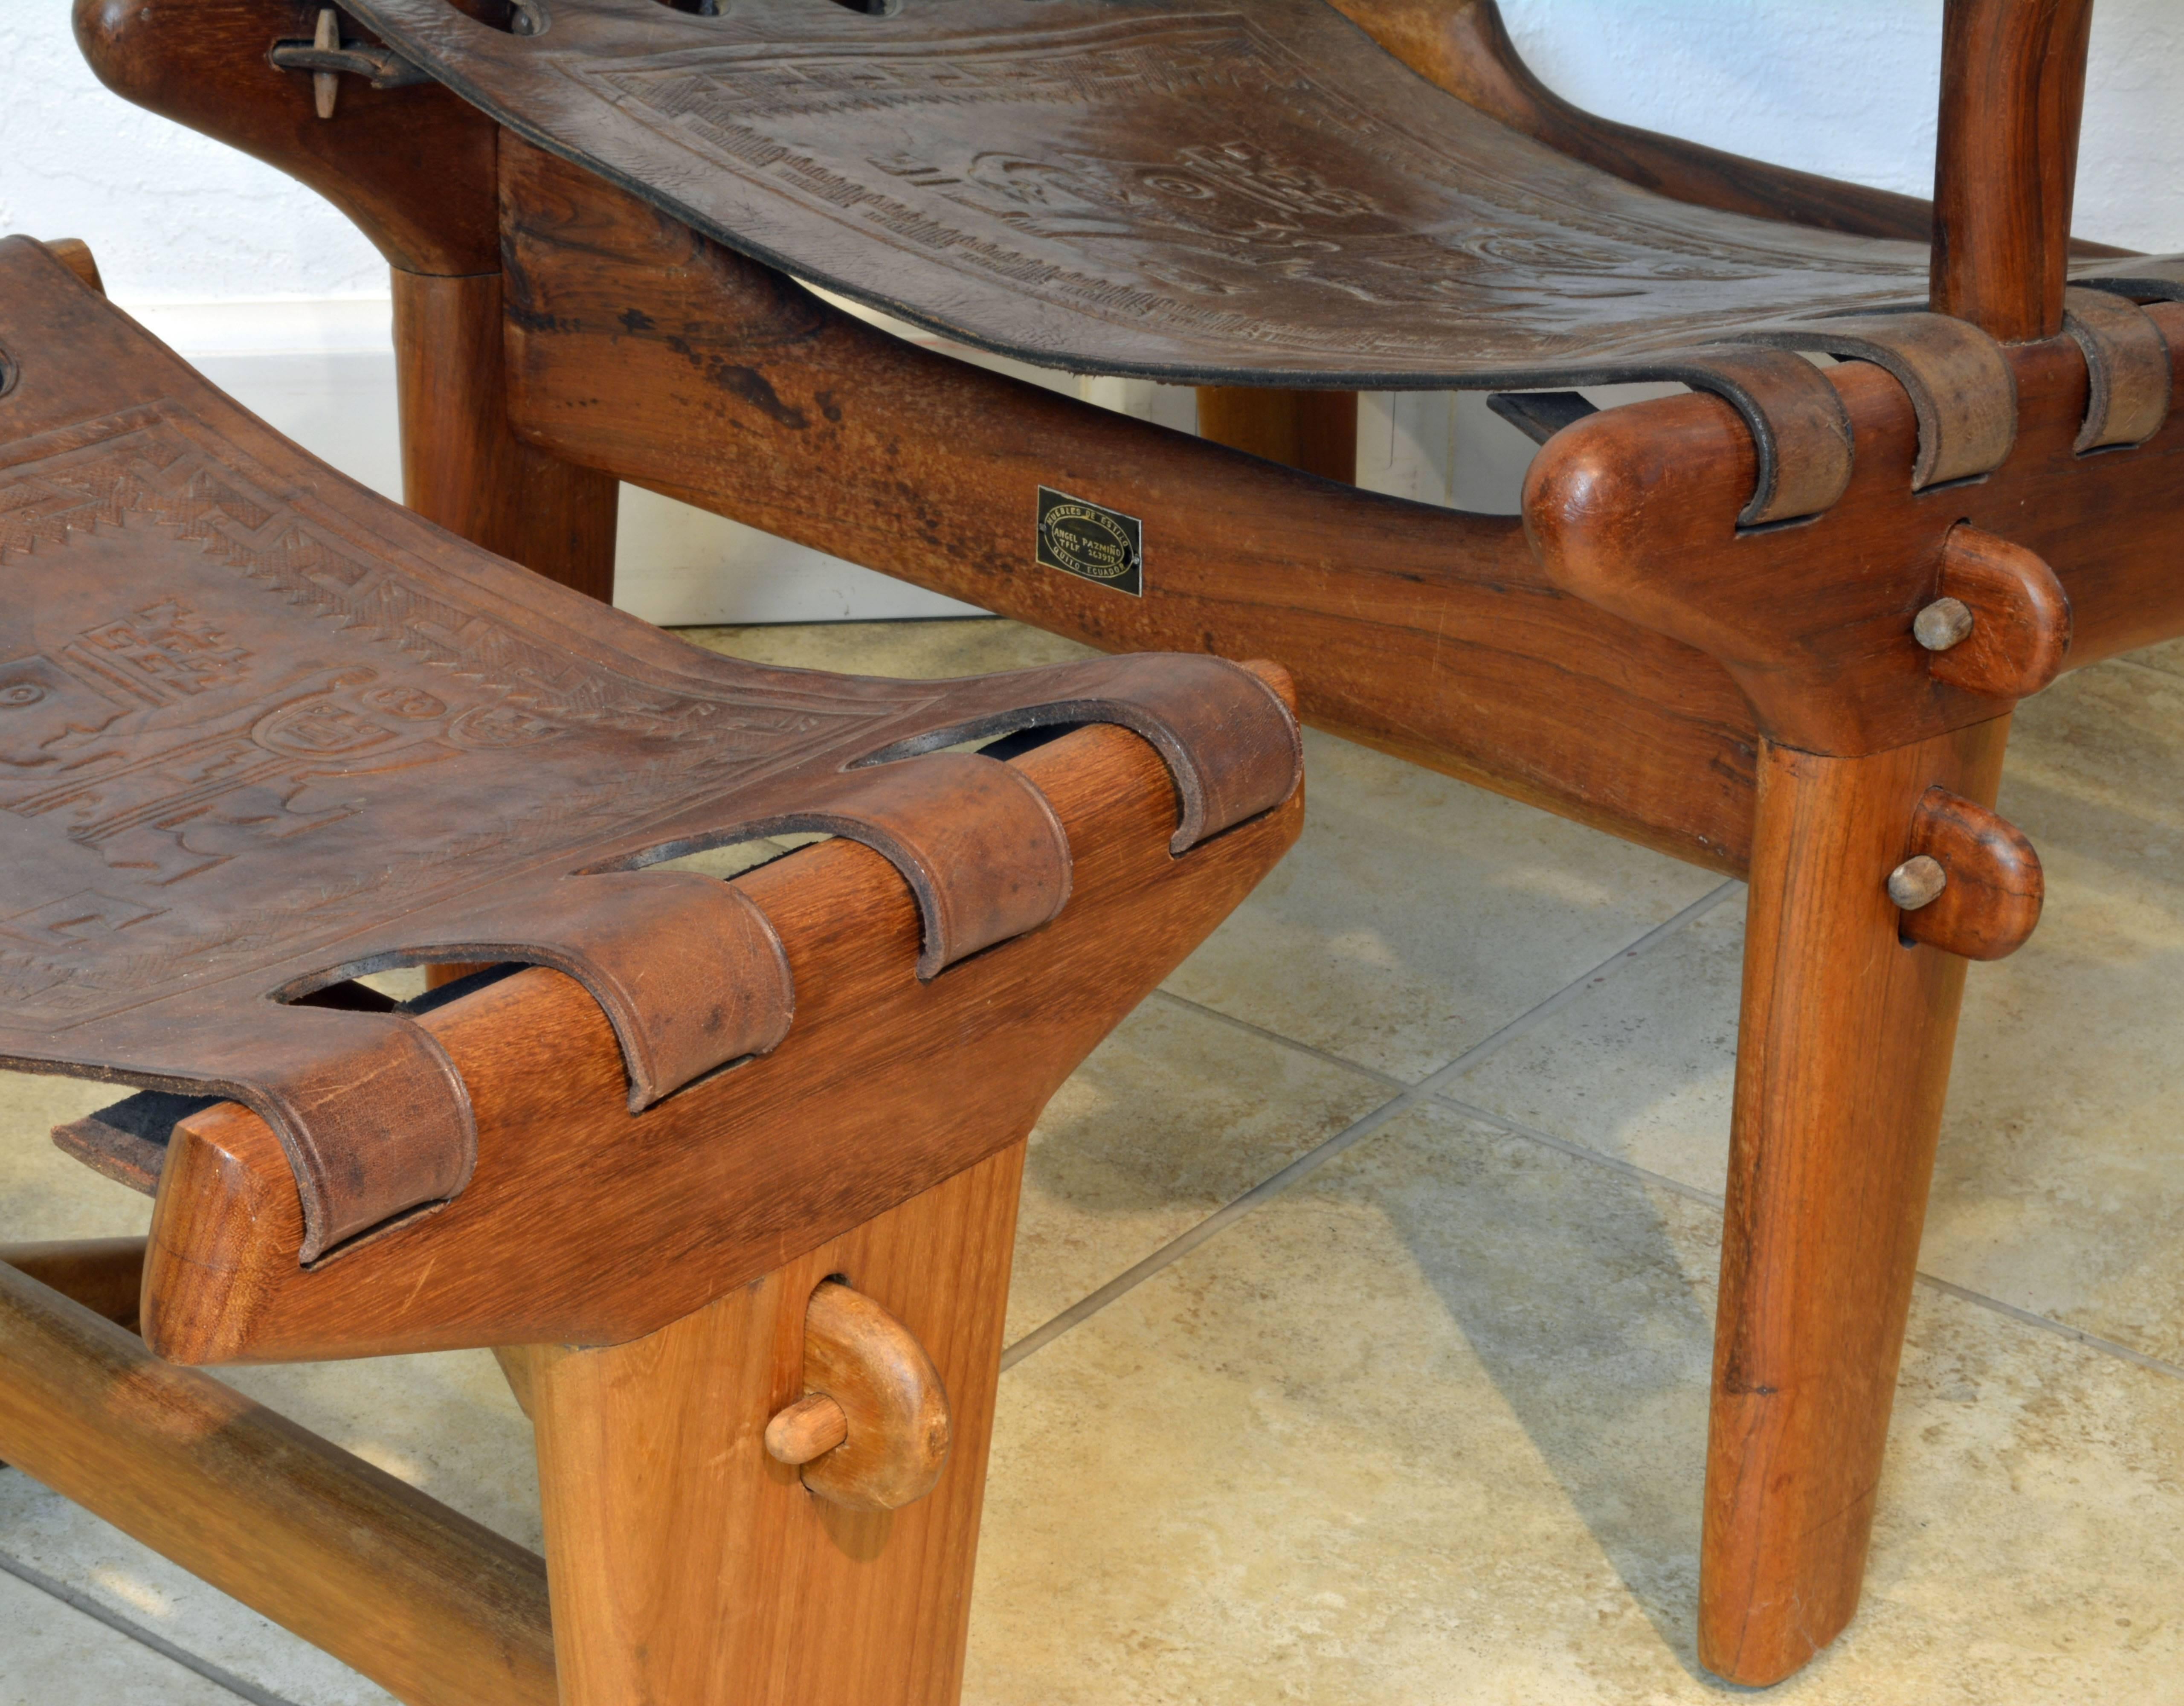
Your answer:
<point x="1775" y="627"/>
<point x="727" y="1171"/>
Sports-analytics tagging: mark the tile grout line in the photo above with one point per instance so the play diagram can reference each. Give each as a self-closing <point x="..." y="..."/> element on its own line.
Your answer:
<point x="1291" y="1044"/>
<point x="1182" y="1246"/>
<point x="2150" y="668"/>
<point x="1312" y="1159"/>
<point x="1962" y="1294"/>
<point x="240" y="1687"/>
<point x="1578" y="1151"/>
<point x="2092" y="1341"/>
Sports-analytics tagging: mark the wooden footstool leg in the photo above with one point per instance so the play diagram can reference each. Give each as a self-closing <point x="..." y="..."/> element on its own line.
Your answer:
<point x="688" y="1566"/>
<point x="1842" y="1064"/>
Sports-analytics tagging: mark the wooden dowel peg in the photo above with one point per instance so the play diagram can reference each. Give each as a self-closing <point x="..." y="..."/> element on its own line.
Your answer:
<point x="1943" y="624"/>
<point x="894" y="1424"/>
<point x="808" y="1428"/>
<point x="2015" y="630"/>
<point x="1987" y="885"/>
<point x="1917" y="882"/>
<point x="326" y="86"/>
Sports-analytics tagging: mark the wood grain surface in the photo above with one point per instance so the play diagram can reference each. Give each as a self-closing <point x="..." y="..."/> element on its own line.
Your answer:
<point x="1990" y="906"/>
<point x="105" y="1275"/>
<point x="1843" y="1061"/>
<point x="2012" y="89"/>
<point x="413" y="168"/>
<point x="585" y="1222"/>
<point x="894" y="1404"/>
<point x="637" y="346"/>
<point x="2021" y="621"/>
<point x="1635" y="509"/>
<point x="1314" y="431"/>
<point x="689" y="1565"/>
<point x="435" y="1608"/>
<point x="463" y="466"/>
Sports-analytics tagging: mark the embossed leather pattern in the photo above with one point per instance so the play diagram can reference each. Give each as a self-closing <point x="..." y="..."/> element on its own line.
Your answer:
<point x="260" y="731"/>
<point x="1184" y="188"/>
<point x="1215" y="194"/>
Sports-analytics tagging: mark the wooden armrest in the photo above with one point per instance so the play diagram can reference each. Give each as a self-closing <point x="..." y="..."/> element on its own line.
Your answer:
<point x="412" y="167"/>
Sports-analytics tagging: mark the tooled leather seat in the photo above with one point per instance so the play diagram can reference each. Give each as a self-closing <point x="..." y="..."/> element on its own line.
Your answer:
<point x="1205" y="193"/>
<point x="1185" y="189"/>
<point x="261" y="731"/>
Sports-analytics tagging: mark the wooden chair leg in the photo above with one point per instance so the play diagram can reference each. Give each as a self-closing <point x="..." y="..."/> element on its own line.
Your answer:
<point x="462" y="466"/>
<point x="1315" y="431"/>
<point x="1842" y="1063"/>
<point x="687" y="1565"/>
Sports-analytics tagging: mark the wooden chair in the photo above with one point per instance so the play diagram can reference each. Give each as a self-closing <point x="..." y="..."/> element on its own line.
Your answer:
<point x="1775" y="627"/>
<point x="726" y="1170"/>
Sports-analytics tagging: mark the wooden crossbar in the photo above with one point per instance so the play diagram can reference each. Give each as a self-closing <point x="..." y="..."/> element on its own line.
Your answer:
<point x="436" y="1609"/>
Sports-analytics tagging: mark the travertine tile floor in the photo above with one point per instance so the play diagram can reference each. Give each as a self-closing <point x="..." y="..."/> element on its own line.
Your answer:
<point x="1426" y="1424"/>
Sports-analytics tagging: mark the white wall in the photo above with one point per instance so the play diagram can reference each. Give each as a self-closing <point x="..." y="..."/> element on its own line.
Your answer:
<point x="204" y="241"/>
<point x="1847" y="88"/>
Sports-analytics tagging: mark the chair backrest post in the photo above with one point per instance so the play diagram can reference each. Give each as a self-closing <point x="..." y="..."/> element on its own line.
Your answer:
<point x="2012" y="89"/>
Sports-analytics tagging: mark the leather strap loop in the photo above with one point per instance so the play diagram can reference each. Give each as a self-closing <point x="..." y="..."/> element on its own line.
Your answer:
<point x="979" y="845"/>
<point x="688" y="970"/>
<point x="1799" y="426"/>
<point x="1231" y="745"/>
<point x="1961" y="385"/>
<point x="372" y="1112"/>
<point x="2126" y="368"/>
<point x="1801" y="432"/>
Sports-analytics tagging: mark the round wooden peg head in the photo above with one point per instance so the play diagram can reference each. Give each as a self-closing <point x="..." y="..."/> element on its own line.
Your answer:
<point x="1943" y="624"/>
<point x="1917" y="882"/>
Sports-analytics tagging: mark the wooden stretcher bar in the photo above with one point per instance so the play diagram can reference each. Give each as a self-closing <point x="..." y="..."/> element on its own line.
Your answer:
<point x="638" y="345"/>
<point x="432" y="1607"/>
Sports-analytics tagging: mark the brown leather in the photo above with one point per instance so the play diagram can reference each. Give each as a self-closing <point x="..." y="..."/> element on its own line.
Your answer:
<point x="1801" y="435"/>
<point x="1224" y="765"/>
<point x="2128" y="368"/>
<point x="978" y="845"/>
<point x="2148" y="278"/>
<point x="261" y="731"/>
<point x="127" y="1140"/>
<point x="1799" y="429"/>
<point x="1961" y="386"/>
<point x="1187" y="189"/>
<point x="686" y="969"/>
